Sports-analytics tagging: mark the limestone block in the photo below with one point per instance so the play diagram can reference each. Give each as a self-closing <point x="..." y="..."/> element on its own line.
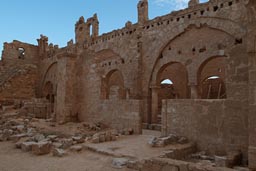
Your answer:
<point x="41" y="148"/>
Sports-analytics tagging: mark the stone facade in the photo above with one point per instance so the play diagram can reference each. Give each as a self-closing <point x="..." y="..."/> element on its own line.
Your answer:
<point x="191" y="71"/>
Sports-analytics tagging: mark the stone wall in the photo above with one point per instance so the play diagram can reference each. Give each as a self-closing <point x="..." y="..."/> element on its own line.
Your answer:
<point x="161" y="164"/>
<point x="217" y="126"/>
<point x="120" y="114"/>
<point x="18" y="82"/>
<point x="18" y="71"/>
<point x="40" y="108"/>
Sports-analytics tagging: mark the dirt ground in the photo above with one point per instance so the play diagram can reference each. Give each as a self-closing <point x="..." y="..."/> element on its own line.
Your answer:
<point x="12" y="159"/>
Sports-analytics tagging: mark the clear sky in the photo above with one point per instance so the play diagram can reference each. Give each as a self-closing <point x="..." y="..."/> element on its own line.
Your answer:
<point x="25" y="20"/>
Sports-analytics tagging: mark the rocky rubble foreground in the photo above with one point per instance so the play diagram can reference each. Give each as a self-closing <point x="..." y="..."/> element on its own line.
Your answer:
<point x="27" y="136"/>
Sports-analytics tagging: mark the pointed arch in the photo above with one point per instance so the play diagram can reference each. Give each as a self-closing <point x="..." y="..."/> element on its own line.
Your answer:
<point x="113" y="85"/>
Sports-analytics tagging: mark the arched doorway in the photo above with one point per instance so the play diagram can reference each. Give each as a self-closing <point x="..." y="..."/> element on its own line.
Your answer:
<point x="211" y="79"/>
<point x="171" y="83"/>
<point x="113" y="86"/>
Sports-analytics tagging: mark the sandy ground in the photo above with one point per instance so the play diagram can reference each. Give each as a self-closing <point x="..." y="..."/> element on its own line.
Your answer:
<point x="12" y="159"/>
<point x="133" y="146"/>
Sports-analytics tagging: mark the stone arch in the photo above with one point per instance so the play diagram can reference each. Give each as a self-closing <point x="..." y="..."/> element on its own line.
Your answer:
<point x="50" y="75"/>
<point x="49" y="85"/>
<point x="176" y="72"/>
<point x="227" y="26"/>
<point x="113" y="85"/>
<point x="212" y="78"/>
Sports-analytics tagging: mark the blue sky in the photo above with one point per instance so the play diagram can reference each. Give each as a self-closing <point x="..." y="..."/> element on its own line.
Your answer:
<point x="25" y="20"/>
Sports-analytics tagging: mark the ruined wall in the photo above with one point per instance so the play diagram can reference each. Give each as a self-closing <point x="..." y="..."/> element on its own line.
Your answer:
<point x="116" y="77"/>
<point x="18" y="52"/>
<point x="217" y="126"/>
<point x="20" y="83"/>
<point x="18" y="71"/>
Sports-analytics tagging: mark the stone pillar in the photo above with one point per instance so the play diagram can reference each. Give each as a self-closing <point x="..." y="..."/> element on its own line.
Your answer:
<point x="42" y="45"/>
<point x="193" y="3"/>
<point x="251" y="49"/>
<point x="95" y="26"/>
<point x="154" y="105"/>
<point x="142" y="11"/>
<point x="252" y="114"/>
<point x="194" y="91"/>
<point x="80" y="31"/>
<point x="66" y="94"/>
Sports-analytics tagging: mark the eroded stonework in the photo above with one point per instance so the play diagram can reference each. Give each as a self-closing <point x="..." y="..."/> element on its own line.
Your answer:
<point x="191" y="72"/>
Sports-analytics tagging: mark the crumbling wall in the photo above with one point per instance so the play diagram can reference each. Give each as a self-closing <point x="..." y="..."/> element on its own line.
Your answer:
<point x="18" y="71"/>
<point x="18" y="53"/>
<point x="19" y="83"/>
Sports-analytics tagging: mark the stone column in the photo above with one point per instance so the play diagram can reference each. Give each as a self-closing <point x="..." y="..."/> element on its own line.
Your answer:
<point x="251" y="50"/>
<point x="194" y="91"/>
<point x="154" y="105"/>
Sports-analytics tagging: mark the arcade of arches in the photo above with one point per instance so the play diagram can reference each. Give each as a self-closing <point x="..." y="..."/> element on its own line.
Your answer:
<point x="172" y="83"/>
<point x="190" y="72"/>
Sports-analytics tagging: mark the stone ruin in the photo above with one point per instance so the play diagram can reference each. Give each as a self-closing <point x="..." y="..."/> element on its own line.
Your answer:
<point x="191" y="73"/>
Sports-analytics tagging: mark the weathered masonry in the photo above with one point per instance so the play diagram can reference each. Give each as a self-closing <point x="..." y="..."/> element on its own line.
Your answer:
<point x="190" y="72"/>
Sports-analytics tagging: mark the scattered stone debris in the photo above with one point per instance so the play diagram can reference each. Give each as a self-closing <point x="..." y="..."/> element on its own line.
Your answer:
<point x="164" y="141"/>
<point x="27" y="136"/>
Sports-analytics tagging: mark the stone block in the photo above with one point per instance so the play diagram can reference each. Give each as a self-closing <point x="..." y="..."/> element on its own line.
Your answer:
<point x="78" y="139"/>
<point x="27" y="146"/>
<point x="41" y="148"/>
